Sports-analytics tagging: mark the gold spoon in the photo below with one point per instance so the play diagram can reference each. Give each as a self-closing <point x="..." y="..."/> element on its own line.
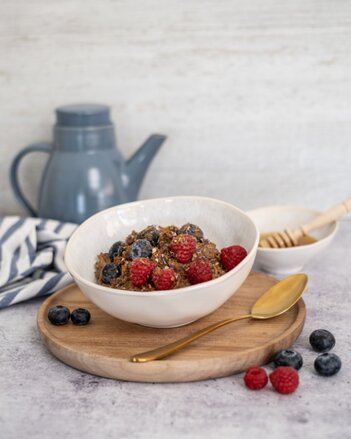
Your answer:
<point x="274" y="302"/>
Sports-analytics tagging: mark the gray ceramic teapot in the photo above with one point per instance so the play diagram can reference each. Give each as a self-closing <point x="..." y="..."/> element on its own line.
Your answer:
<point x="85" y="172"/>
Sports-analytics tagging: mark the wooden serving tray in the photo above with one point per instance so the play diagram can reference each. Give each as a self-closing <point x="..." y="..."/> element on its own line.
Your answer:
<point x="105" y="345"/>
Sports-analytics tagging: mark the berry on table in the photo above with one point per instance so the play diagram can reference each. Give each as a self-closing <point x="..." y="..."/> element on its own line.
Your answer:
<point x="322" y="340"/>
<point x="141" y="248"/>
<point x="193" y="230"/>
<point x="287" y="357"/>
<point x="110" y="272"/>
<point x="255" y="378"/>
<point x="140" y="271"/>
<point x="232" y="256"/>
<point x="151" y="234"/>
<point x="284" y="379"/>
<point x="80" y="316"/>
<point x="199" y="271"/>
<point x="183" y="246"/>
<point x="163" y="279"/>
<point x="116" y="250"/>
<point x="327" y="364"/>
<point x="58" y="315"/>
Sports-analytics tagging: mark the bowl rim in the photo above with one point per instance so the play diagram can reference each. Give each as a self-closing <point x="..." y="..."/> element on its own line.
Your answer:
<point x="298" y="247"/>
<point x="158" y="293"/>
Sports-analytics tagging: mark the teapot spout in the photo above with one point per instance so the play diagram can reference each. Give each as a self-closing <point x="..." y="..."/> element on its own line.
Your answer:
<point x="138" y="164"/>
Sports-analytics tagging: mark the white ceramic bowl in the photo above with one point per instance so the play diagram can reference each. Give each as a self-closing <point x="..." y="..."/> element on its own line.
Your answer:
<point x="289" y="260"/>
<point x="221" y="222"/>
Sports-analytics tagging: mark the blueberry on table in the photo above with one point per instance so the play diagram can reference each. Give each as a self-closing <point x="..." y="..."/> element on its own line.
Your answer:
<point x="287" y="357"/>
<point x="322" y="340"/>
<point x="141" y="248"/>
<point x="110" y="272"/>
<point x="59" y="315"/>
<point x="80" y="316"/>
<point x="327" y="364"/>
<point x="116" y="250"/>
<point x="193" y="230"/>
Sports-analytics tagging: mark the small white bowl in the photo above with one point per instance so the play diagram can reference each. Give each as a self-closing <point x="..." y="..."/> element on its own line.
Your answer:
<point x="289" y="260"/>
<point x="221" y="223"/>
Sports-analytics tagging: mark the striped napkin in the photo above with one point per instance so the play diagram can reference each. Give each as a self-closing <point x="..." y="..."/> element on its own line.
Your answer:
<point x="31" y="258"/>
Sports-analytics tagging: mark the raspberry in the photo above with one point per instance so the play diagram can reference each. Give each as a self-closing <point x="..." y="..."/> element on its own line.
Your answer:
<point x="140" y="271"/>
<point x="232" y="256"/>
<point x="284" y="379"/>
<point x="163" y="279"/>
<point x="183" y="246"/>
<point x="199" y="271"/>
<point x="255" y="378"/>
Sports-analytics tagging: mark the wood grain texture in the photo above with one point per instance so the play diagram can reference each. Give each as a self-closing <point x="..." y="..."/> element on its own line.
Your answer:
<point x="256" y="92"/>
<point x="104" y="347"/>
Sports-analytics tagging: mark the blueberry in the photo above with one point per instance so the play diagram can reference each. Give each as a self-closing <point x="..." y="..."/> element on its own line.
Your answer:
<point x="327" y="364"/>
<point x="80" y="316"/>
<point x="151" y="234"/>
<point x="116" y="250"/>
<point x="59" y="315"/>
<point x="141" y="248"/>
<point x="322" y="340"/>
<point x="110" y="272"/>
<point x="288" y="358"/>
<point x="193" y="230"/>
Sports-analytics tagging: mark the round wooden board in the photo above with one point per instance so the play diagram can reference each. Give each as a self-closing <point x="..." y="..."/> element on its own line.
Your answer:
<point x="105" y="345"/>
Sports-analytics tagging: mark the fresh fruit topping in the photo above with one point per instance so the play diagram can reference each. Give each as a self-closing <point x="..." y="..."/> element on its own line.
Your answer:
<point x="183" y="246"/>
<point x="80" y="316"/>
<point x="199" y="271"/>
<point x="141" y="248"/>
<point x="289" y="358"/>
<point x="255" y="378"/>
<point x="59" y="315"/>
<point x="163" y="279"/>
<point x="322" y="340"/>
<point x="327" y="364"/>
<point x="140" y="271"/>
<point x="193" y="230"/>
<point x="232" y="256"/>
<point x="151" y="234"/>
<point x="110" y="272"/>
<point x="116" y="250"/>
<point x="284" y="379"/>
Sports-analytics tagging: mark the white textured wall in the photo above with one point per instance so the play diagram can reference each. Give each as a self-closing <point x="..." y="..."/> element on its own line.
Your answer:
<point x="254" y="95"/>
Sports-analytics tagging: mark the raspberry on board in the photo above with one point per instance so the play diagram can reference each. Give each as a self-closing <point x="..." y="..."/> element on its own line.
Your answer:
<point x="183" y="246"/>
<point x="140" y="271"/>
<point x="255" y="378"/>
<point x="232" y="256"/>
<point x="199" y="271"/>
<point x="284" y="379"/>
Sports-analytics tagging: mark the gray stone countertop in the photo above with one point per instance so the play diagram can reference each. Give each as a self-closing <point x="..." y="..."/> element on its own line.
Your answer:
<point x="41" y="397"/>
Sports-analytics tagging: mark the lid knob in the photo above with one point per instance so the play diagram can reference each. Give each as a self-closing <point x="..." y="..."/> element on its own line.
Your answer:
<point x="83" y="115"/>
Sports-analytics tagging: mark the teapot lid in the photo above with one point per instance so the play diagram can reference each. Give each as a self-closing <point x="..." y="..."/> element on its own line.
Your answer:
<point x="83" y="115"/>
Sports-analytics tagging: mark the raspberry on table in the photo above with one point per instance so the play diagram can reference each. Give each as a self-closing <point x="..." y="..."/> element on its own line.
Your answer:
<point x="163" y="279"/>
<point x="183" y="246"/>
<point x="287" y="357"/>
<point x="199" y="271"/>
<point x="284" y="379"/>
<point x="322" y="340"/>
<point x="255" y="378"/>
<point x="140" y="271"/>
<point x="232" y="256"/>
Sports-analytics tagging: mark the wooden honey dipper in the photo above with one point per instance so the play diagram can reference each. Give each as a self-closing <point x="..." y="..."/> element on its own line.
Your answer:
<point x="289" y="238"/>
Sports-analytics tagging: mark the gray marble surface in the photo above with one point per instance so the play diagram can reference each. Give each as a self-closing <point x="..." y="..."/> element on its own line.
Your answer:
<point x="40" y="397"/>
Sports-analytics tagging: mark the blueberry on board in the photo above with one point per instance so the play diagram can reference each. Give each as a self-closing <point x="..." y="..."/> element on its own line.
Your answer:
<point x="327" y="364"/>
<point x="116" y="250"/>
<point x="110" y="272"/>
<point x="59" y="315"/>
<point x="80" y="316"/>
<point x="151" y="234"/>
<point x="287" y="357"/>
<point x="193" y="230"/>
<point x="141" y="248"/>
<point x="322" y="340"/>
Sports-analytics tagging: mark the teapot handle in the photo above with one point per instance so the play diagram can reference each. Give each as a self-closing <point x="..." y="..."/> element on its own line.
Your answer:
<point x="39" y="147"/>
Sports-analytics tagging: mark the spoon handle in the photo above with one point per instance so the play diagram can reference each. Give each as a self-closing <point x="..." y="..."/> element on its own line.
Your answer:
<point x="327" y="217"/>
<point x="164" y="351"/>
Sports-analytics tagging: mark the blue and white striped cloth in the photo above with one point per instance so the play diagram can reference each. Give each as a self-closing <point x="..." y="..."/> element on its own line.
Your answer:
<point x="31" y="258"/>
